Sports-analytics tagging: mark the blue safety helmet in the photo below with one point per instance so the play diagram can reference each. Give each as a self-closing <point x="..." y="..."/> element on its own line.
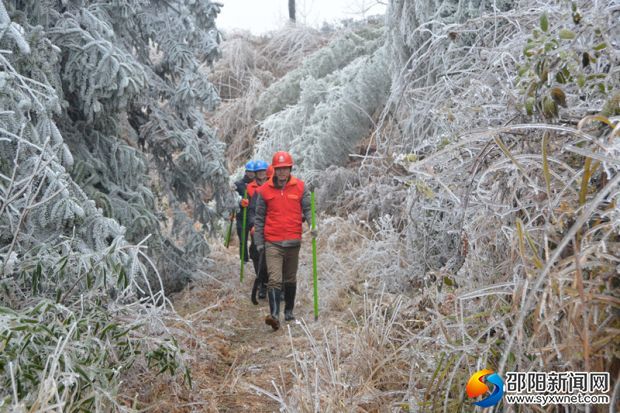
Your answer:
<point x="249" y="166"/>
<point x="260" y="165"/>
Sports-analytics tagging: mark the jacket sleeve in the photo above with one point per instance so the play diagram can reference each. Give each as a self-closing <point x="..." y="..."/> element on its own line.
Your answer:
<point x="259" y="220"/>
<point x="240" y="189"/>
<point x="240" y="186"/>
<point x="252" y="210"/>
<point x="306" y="206"/>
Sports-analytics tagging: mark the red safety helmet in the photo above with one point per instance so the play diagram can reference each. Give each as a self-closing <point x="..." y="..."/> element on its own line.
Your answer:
<point x="269" y="171"/>
<point x="282" y="159"/>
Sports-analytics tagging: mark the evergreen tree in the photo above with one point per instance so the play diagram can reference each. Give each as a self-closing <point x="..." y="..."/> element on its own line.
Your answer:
<point x="102" y="138"/>
<point x="130" y="91"/>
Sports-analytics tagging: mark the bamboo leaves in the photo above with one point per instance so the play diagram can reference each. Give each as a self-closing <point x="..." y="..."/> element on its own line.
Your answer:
<point x="551" y="60"/>
<point x="544" y="22"/>
<point x="71" y="175"/>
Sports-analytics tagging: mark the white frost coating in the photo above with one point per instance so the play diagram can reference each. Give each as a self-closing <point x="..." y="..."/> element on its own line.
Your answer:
<point x="332" y="115"/>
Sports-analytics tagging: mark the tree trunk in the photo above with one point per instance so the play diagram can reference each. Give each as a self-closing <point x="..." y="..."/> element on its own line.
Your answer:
<point x="291" y="10"/>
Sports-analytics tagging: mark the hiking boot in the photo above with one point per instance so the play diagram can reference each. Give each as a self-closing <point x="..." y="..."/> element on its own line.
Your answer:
<point x="289" y="301"/>
<point x="273" y="319"/>
<point x="262" y="292"/>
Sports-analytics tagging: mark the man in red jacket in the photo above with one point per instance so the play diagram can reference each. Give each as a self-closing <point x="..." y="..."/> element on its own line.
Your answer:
<point x="281" y="202"/>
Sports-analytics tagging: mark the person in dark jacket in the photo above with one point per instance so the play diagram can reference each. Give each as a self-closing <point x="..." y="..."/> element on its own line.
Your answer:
<point x="240" y="187"/>
<point x="258" y="259"/>
<point x="280" y="206"/>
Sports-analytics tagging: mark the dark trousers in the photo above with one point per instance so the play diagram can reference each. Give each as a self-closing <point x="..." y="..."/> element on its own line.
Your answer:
<point x="260" y="265"/>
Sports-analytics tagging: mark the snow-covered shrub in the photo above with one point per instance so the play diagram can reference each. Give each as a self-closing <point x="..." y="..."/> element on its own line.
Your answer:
<point x="339" y="53"/>
<point x="287" y="48"/>
<point x="490" y="200"/>
<point x="332" y="115"/>
<point x="504" y="170"/>
<point x="239" y="81"/>
<point x="238" y="66"/>
<point x="249" y="64"/>
<point x="331" y="185"/>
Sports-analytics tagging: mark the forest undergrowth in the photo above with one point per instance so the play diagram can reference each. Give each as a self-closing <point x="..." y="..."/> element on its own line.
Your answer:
<point x="480" y="191"/>
<point x="465" y="157"/>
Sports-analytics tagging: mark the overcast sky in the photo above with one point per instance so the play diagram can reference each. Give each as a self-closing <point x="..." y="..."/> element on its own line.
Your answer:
<point x="261" y="16"/>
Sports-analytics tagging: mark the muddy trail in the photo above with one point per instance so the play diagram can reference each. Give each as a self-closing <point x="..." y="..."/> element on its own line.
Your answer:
<point x="236" y="359"/>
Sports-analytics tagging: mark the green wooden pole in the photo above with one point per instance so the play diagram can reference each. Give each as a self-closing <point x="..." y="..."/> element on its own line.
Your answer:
<point x="229" y="231"/>
<point x="315" y="277"/>
<point x="245" y="214"/>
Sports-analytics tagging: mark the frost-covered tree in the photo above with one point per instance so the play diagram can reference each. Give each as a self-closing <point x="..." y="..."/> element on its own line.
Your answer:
<point x="102" y="139"/>
<point x="131" y="95"/>
<point x="322" y="109"/>
<point x="248" y="65"/>
<point x="332" y="115"/>
<point x="339" y="53"/>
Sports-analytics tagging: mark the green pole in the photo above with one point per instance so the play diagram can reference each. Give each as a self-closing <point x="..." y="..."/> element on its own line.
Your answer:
<point x="229" y="231"/>
<point x="314" y="269"/>
<point x="245" y="214"/>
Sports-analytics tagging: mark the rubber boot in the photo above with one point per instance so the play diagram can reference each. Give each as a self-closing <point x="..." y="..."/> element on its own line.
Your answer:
<point x="262" y="291"/>
<point x="289" y="301"/>
<point x="273" y="319"/>
<point x="254" y="289"/>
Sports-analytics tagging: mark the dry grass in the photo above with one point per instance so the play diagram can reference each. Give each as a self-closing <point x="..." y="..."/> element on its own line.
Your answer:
<point x="504" y="240"/>
<point x="471" y="236"/>
<point x="249" y="64"/>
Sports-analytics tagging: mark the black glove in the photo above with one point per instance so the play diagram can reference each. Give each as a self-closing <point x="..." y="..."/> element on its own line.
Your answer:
<point x="254" y="254"/>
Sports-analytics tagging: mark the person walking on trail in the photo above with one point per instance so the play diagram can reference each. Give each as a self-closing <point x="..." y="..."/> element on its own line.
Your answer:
<point x="260" y="265"/>
<point x="278" y="226"/>
<point x="240" y="187"/>
<point x="264" y="274"/>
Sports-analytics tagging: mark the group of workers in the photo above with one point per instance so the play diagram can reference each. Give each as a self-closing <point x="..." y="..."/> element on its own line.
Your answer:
<point x="276" y="204"/>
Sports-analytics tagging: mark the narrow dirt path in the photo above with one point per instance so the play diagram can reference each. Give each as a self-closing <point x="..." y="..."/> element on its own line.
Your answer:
<point x="243" y="353"/>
